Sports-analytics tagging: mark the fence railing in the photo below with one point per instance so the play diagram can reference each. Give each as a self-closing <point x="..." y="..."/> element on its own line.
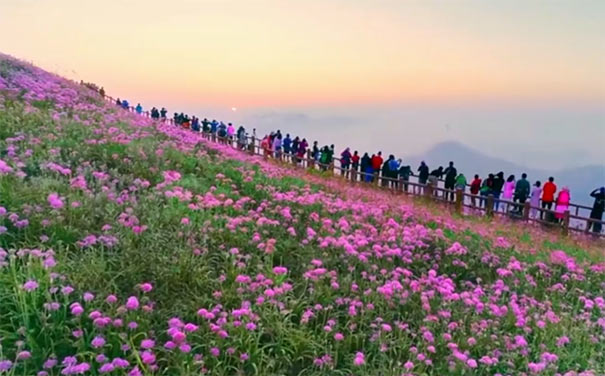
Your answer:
<point x="458" y="199"/>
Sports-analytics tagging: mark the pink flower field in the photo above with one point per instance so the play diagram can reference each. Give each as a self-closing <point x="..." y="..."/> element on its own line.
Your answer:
<point x="129" y="247"/>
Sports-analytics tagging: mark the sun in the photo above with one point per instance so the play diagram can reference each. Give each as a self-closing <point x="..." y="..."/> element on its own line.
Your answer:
<point x="233" y="109"/>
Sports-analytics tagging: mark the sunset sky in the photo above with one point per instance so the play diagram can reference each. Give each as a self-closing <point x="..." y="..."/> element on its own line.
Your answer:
<point x="342" y="54"/>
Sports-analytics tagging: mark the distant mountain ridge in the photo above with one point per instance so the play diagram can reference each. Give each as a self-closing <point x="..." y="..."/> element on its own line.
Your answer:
<point x="581" y="181"/>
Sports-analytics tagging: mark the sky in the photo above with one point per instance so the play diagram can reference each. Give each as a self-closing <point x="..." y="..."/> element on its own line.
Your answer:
<point x="518" y="80"/>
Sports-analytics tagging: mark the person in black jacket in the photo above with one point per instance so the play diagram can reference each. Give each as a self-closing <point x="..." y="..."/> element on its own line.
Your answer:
<point x="366" y="163"/>
<point x="496" y="191"/>
<point x="404" y="174"/>
<point x="423" y="174"/>
<point x="434" y="177"/>
<point x="597" y="210"/>
<point x="450" y="179"/>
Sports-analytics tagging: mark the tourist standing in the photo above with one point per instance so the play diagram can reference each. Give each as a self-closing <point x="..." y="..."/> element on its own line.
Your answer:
<point x="597" y="210"/>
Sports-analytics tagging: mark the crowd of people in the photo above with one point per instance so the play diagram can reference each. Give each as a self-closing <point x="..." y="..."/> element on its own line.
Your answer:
<point x="547" y="203"/>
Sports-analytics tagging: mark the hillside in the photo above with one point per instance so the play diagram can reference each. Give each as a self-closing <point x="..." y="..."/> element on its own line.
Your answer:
<point x="129" y="247"/>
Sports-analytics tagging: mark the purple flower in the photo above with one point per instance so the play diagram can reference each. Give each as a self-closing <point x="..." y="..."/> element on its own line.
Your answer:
<point x="97" y="342"/>
<point x="107" y="367"/>
<point x="50" y="363"/>
<point x="5" y="365"/>
<point x="88" y="296"/>
<point x="120" y="363"/>
<point x="23" y="355"/>
<point x="280" y="270"/>
<point x="148" y="357"/>
<point x="55" y="201"/>
<point x="30" y="285"/>
<point x="132" y="303"/>
<point x="146" y="287"/>
<point x="147" y="344"/>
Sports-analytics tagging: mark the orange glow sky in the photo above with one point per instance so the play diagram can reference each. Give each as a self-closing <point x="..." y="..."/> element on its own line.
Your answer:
<point x="249" y="53"/>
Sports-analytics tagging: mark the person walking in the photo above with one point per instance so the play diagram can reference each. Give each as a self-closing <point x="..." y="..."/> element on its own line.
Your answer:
<point x="475" y="187"/>
<point x="597" y="210"/>
<point x="562" y="204"/>
<point x="450" y="180"/>
<point x="163" y="113"/>
<point x="548" y="198"/>
<point x="139" y="108"/>
<point x="534" y="202"/>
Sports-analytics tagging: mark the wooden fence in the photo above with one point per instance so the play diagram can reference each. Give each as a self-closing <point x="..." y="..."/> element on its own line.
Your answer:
<point x="571" y="220"/>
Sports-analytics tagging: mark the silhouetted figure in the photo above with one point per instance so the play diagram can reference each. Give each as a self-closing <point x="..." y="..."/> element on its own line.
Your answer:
<point x="366" y="168"/>
<point x="497" y="189"/>
<point x="404" y="174"/>
<point x="597" y="209"/>
<point x="345" y="162"/>
<point x="450" y="179"/>
<point x="522" y="189"/>
<point x="434" y="177"/>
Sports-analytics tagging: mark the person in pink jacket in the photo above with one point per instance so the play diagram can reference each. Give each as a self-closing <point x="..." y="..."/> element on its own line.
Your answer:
<point x="508" y="190"/>
<point x="562" y="203"/>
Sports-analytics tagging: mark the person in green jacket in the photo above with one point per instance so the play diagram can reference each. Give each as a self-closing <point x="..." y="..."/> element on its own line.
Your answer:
<point x="460" y="182"/>
<point x="522" y="189"/>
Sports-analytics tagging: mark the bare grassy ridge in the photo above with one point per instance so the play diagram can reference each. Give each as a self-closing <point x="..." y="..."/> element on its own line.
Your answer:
<point x="129" y="247"/>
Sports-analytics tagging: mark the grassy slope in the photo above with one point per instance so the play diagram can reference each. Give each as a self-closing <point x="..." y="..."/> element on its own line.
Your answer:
<point x="383" y="260"/>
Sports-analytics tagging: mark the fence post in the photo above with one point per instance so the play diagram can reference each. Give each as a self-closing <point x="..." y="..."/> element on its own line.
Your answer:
<point x="489" y="205"/>
<point x="428" y="192"/>
<point x="566" y="223"/>
<point x="526" y="209"/>
<point x="459" y="200"/>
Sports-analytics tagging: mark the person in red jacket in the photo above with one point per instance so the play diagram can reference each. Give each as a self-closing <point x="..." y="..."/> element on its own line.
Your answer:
<point x="548" y="196"/>
<point x="475" y="187"/>
<point x="377" y="164"/>
<point x="354" y="165"/>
